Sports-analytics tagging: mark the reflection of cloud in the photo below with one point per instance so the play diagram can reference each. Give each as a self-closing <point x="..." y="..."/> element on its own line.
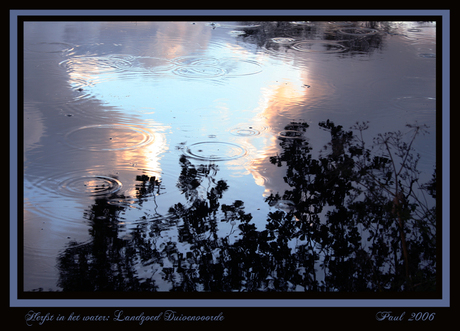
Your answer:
<point x="162" y="40"/>
<point x="174" y="39"/>
<point x="143" y="160"/>
<point x="280" y="103"/>
<point x="266" y="174"/>
<point x="85" y="71"/>
<point x="282" y="99"/>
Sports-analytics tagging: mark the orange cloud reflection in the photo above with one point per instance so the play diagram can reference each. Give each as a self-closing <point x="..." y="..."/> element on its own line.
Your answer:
<point x="280" y="104"/>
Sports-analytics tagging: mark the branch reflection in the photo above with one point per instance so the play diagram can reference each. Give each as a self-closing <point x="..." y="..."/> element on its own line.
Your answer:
<point x="352" y="221"/>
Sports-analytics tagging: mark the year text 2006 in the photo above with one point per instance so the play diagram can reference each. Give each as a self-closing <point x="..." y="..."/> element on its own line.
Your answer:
<point x="414" y="316"/>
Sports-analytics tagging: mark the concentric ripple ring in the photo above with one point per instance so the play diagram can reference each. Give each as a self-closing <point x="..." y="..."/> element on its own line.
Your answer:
<point x="290" y="134"/>
<point x="90" y="186"/>
<point x="215" y="151"/>
<point x="108" y="137"/>
<point x="319" y="46"/>
<point x="245" y="131"/>
<point x="283" y="40"/>
<point x="358" y="32"/>
<point x="199" y="71"/>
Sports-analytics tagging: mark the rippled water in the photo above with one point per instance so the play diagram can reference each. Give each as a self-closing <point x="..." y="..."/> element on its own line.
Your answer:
<point x="149" y="139"/>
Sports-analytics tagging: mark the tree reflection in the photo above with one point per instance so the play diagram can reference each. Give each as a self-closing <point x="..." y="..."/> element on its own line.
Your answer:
<point x="354" y="220"/>
<point x="378" y="232"/>
<point x="103" y="264"/>
<point x="356" y="41"/>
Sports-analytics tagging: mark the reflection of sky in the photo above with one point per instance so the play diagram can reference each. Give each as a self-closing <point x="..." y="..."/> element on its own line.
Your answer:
<point x="199" y="108"/>
<point x="196" y="108"/>
<point x="142" y="84"/>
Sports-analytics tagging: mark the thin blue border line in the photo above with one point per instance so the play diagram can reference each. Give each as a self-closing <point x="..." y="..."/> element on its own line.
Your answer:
<point x="446" y="157"/>
<point x="236" y="12"/>
<point x="13" y="158"/>
<point x="322" y="303"/>
<point x="444" y="302"/>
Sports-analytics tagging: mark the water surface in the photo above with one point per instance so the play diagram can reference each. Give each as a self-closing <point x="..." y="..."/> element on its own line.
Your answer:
<point x="148" y="146"/>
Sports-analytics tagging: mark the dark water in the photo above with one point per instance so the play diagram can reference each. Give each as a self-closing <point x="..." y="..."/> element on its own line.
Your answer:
<point x="150" y="148"/>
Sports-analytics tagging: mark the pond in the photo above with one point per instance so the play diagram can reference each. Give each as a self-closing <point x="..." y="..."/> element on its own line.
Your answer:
<point x="221" y="156"/>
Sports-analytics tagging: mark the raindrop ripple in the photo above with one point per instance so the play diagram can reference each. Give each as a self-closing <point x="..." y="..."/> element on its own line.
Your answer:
<point x="358" y="32"/>
<point x="90" y="186"/>
<point x="215" y="151"/>
<point x="319" y="46"/>
<point x="108" y="137"/>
